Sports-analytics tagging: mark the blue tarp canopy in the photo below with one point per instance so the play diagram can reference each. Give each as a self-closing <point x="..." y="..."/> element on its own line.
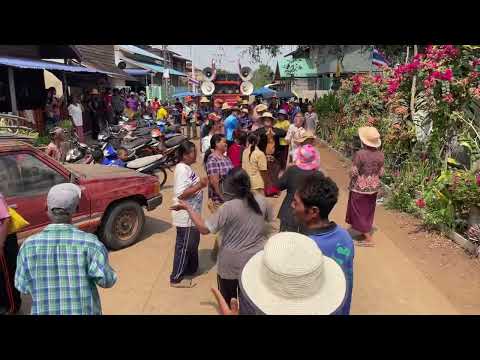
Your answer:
<point x="137" y="72"/>
<point x="185" y="94"/>
<point x="263" y="91"/>
<point x="24" y="63"/>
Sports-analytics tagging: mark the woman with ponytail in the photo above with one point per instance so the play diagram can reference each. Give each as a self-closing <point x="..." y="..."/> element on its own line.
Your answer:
<point x="241" y="219"/>
<point x="254" y="162"/>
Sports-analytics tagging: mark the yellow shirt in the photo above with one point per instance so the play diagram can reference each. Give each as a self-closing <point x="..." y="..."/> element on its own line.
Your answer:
<point x="162" y="113"/>
<point x="253" y="166"/>
<point x="284" y="125"/>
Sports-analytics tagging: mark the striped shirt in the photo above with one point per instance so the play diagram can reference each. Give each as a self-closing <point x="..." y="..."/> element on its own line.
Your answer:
<point x="61" y="268"/>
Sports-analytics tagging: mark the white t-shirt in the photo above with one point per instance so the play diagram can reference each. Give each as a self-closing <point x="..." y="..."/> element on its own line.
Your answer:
<point x="75" y="112"/>
<point x="184" y="178"/>
<point x="205" y="144"/>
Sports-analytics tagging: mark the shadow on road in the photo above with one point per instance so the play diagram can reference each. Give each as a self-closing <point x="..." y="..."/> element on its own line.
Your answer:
<point x="153" y="226"/>
<point x="205" y="261"/>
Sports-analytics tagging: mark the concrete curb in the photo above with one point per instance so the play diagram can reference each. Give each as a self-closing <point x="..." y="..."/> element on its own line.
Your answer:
<point x="452" y="235"/>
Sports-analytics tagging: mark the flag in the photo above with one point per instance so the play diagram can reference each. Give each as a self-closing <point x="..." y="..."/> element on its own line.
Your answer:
<point x="378" y="59"/>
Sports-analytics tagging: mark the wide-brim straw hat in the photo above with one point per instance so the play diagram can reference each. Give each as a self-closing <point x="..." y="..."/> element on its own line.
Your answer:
<point x="267" y="115"/>
<point x="244" y="102"/>
<point x="307" y="158"/>
<point x="308" y="135"/>
<point x="214" y="117"/>
<point x="291" y="276"/>
<point x="204" y="100"/>
<point x="370" y="136"/>
<point x="94" y="92"/>
<point x="225" y="106"/>
<point x="261" y="107"/>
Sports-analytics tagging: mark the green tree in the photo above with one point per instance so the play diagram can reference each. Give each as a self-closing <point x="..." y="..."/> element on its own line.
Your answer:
<point x="262" y="76"/>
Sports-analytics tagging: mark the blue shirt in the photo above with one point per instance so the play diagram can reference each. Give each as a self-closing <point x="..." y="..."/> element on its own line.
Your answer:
<point x="336" y="243"/>
<point x="230" y="124"/>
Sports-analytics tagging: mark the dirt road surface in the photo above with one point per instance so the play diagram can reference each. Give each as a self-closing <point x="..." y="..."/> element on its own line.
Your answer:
<point x="408" y="272"/>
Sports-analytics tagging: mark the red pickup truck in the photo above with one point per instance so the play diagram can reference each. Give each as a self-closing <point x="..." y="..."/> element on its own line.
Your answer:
<point x="112" y="198"/>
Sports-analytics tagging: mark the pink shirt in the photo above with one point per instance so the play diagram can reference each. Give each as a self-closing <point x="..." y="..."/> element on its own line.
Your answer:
<point x="3" y="209"/>
<point x="53" y="151"/>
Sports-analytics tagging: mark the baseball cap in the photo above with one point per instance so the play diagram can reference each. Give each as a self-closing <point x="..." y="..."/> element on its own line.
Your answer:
<point x="64" y="196"/>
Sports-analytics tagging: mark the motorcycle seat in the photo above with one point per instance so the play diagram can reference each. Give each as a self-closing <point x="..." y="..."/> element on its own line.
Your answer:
<point x="142" y="162"/>
<point x="174" y="141"/>
<point x="135" y="143"/>
<point x="142" y="131"/>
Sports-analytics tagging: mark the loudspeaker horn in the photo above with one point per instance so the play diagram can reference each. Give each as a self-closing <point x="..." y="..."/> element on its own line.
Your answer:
<point x="246" y="88"/>
<point x="246" y="73"/>
<point x="208" y="73"/>
<point x="207" y="88"/>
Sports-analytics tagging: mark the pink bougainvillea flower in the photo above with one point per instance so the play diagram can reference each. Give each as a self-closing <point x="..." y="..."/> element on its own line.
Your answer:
<point x="447" y="75"/>
<point x="420" y="203"/>
<point x="478" y="179"/>
<point x="448" y="98"/>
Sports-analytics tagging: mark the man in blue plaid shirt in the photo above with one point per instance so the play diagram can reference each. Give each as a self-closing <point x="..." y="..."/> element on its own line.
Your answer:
<point x="62" y="266"/>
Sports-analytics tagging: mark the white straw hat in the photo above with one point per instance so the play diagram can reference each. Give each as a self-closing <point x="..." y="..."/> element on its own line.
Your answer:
<point x="370" y="136"/>
<point x="291" y="276"/>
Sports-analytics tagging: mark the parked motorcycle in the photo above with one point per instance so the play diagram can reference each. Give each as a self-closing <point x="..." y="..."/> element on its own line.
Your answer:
<point x="79" y="152"/>
<point x="156" y="164"/>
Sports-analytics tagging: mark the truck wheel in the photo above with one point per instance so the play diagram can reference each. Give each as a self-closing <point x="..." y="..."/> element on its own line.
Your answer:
<point x="123" y="225"/>
<point x="161" y="174"/>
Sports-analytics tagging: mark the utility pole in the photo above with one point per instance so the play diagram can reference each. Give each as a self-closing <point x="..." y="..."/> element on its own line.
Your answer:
<point x="194" y="87"/>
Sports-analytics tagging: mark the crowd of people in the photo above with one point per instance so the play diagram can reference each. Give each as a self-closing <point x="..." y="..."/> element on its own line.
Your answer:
<point x="249" y="155"/>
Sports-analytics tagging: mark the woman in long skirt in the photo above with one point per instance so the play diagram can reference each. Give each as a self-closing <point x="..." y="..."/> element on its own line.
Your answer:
<point x="367" y="168"/>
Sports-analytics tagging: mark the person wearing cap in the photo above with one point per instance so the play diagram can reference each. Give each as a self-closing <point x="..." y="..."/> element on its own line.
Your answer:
<point x="311" y="119"/>
<point x="367" y="169"/>
<point x="55" y="147"/>
<point x="269" y="141"/>
<point x="10" y="300"/>
<point x="307" y="163"/>
<point x="312" y="204"/>
<point x="257" y="116"/>
<point x="290" y="276"/>
<point x="284" y="124"/>
<point x="61" y="266"/>
<point x="241" y="220"/>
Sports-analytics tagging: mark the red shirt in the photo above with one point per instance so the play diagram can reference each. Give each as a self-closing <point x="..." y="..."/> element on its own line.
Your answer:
<point x="235" y="154"/>
<point x="155" y="106"/>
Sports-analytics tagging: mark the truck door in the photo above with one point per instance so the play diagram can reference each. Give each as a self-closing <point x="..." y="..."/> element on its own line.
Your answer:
<point x="25" y="180"/>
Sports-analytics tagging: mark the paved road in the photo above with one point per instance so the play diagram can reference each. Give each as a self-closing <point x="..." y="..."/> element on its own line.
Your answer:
<point x="409" y="272"/>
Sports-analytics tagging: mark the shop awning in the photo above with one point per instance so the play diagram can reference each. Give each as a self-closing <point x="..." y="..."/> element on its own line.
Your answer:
<point x="24" y="63"/>
<point x="139" y="51"/>
<point x="151" y="68"/>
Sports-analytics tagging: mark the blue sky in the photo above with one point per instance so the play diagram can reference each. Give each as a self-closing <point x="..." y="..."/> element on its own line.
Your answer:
<point x="203" y="55"/>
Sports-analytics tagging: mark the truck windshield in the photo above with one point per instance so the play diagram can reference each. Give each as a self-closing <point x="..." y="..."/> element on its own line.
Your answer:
<point x="227" y="89"/>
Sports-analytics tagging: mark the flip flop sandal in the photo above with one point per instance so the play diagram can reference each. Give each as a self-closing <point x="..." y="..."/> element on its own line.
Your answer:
<point x="364" y="243"/>
<point x="186" y="284"/>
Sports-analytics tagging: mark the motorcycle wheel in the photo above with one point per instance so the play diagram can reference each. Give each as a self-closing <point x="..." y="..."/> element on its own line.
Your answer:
<point x="161" y="174"/>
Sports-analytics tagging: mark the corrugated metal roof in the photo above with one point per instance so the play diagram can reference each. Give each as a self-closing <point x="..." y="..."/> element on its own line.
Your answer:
<point x="151" y="67"/>
<point x="136" y="50"/>
<point x="136" y="72"/>
<point x="24" y="63"/>
<point x="101" y="57"/>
